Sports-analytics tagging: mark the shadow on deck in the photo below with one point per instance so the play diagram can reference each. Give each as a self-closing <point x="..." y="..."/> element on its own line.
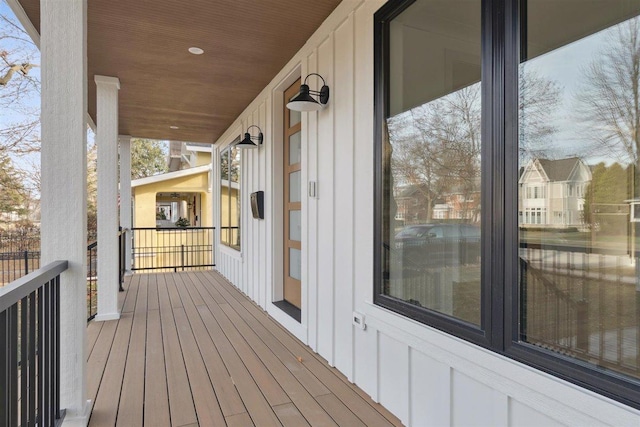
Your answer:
<point x="189" y="350"/>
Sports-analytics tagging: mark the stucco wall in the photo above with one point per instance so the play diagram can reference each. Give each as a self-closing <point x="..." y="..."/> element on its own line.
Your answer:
<point x="144" y="197"/>
<point x="422" y="375"/>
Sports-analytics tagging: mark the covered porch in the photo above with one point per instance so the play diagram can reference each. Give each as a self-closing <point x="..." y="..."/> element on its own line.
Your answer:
<point x="189" y="349"/>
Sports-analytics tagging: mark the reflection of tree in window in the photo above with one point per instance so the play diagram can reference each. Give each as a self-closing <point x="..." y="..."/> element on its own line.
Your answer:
<point x="230" y="197"/>
<point x="437" y="147"/>
<point x="608" y="100"/>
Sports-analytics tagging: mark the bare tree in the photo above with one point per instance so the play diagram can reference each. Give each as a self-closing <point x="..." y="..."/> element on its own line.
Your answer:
<point x="608" y="101"/>
<point x="18" y="55"/>
<point x="19" y="104"/>
<point x="539" y="100"/>
<point x="437" y="147"/>
<point x="92" y="190"/>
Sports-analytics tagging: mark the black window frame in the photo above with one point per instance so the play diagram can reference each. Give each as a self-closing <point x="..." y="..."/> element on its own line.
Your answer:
<point x="228" y="150"/>
<point x="502" y="51"/>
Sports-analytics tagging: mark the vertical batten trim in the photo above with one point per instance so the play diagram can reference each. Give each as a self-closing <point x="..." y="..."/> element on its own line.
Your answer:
<point x="409" y="384"/>
<point x="267" y="259"/>
<point x="255" y="223"/>
<point x="451" y="393"/>
<point x="248" y="247"/>
<point x="377" y="355"/>
<point x="332" y="40"/>
<point x="352" y="16"/>
<point x="305" y="294"/>
<point x="310" y="129"/>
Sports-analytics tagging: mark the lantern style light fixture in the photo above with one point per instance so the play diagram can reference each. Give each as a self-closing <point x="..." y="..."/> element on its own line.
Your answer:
<point x="247" y="142"/>
<point x="305" y="100"/>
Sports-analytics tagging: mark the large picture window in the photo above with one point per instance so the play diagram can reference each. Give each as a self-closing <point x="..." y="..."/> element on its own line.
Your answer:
<point x="431" y="163"/>
<point x="578" y="128"/>
<point x="506" y="177"/>
<point x="230" y="196"/>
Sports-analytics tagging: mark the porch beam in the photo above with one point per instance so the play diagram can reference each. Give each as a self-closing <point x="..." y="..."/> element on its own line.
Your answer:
<point x="64" y="185"/>
<point x="107" y="154"/>
<point x="125" y="195"/>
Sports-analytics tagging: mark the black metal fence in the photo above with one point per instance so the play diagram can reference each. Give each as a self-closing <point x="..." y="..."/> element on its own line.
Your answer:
<point x="586" y="305"/>
<point x="20" y="255"/>
<point x="172" y="249"/>
<point x="30" y="343"/>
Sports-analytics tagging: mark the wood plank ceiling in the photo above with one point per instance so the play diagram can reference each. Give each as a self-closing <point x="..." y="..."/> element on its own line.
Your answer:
<point x="144" y="43"/>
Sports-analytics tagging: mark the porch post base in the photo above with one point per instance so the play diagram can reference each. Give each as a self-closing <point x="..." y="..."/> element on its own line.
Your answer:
<point x="75" y="419"/>
<point x="106" y="316"/>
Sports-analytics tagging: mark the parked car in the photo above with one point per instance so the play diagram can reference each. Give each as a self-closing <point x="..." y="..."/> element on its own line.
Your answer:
<point x="434" y="245"/>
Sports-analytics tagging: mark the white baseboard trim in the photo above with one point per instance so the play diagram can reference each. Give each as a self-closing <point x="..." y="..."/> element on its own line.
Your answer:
<point x="105" y="317"/>
<point x="74" y="419"/>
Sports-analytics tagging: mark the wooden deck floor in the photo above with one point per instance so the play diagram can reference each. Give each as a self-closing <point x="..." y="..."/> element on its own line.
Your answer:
<point x="190" y="350"/>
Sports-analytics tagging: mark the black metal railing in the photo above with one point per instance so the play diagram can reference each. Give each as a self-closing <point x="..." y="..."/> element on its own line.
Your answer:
<point x="92" y="280"/>
<point x="92" y="272"/>
<point x="17" y="264"/>
<point x="14" y="265"/>
<point x="122" y="255"/>
<point x="19" y="253"/>
<point x="172" y="248"/>
<point x="582" y="304"/>
<point x="30" y="343"/>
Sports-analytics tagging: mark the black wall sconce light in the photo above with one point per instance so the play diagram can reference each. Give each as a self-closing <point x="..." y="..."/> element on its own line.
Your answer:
<point x="247" y="142"/>
<point x="304" y="101"/>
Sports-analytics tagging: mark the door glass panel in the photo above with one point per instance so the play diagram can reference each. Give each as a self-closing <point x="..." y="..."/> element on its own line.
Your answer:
<point x="579" y="185"/>
<point x="295" y="226"/>
<point x="294" y="187"/>
<point x="294" y="116"/>
<point x="432" y="159"/>
<point x="295" y="263"/>
<point x="294" y="148"/>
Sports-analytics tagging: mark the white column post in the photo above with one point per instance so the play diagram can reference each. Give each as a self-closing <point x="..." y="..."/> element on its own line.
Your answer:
<point x="107" y="145"/>
<point x="64" y="185"/>
<point x="125" y="195"/>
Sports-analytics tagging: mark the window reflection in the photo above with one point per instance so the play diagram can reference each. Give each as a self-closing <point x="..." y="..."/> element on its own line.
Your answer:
<point x="431" y="229"/>
<point x="230" y="196"/>
<point x="579" y="143"/>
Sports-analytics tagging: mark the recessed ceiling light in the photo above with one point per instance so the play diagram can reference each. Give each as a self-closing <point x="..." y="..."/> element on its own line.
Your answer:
<point x="196" y="50"/>
<point x="174" y="127"/>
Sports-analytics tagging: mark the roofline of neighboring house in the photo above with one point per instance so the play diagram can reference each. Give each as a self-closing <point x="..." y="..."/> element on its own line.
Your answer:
<point x="199" y="148"/>
<point x="171" y="175"/>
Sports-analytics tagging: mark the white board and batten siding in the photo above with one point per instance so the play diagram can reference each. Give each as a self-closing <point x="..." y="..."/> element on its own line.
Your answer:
<point x="424" y="376"/>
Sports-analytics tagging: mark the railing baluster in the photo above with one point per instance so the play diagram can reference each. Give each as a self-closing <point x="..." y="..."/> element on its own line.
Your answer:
<point x="56" y="348"/>
<point x="33" y="309"/>
<point x="24" y="360"/>
<point x="39" y="354"/>
<point x="4" y="370"/>
<point x="46" y="355"/>
<point x="12" y="363"/>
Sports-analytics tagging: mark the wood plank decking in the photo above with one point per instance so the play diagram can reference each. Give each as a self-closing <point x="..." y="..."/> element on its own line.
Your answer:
<point x="190" y="350"/>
